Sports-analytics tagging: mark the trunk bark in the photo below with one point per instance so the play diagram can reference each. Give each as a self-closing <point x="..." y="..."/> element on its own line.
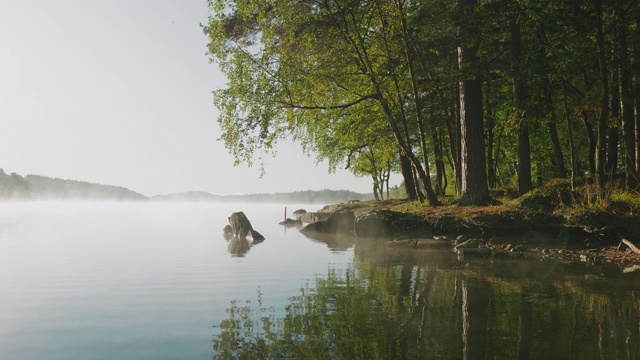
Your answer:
<point x="407" y="175"/>
<point x="574" y="170"/>
<point x="626" y="93"/>
<point x="524" y="147"/>
<point x="604" y="101"/>
<point x="614" y="108"/>
<point x="475" y="190"/>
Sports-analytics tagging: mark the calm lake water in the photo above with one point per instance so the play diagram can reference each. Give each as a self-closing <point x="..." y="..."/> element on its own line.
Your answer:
<point x="157" y="281"/>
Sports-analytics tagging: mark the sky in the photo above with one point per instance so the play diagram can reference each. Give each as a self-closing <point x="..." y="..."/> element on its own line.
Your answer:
<point x="118" y="92"/>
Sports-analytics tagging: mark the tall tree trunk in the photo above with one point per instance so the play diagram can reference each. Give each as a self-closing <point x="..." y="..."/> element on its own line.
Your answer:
<point x="426" y="178"/>
<point x="592" y="142"/>
<point x="558" y="159"/>
<point x="614" y="108"/>
<point x="453" y="131"/>
<point x="626" y="92"/>
<point x="524" y="147"/>
<point x="574" y="170"/>
<point x="491" y="170"/>
<point x="437" y="149"/>
<point x="475" y="190"/>
<point x="407" y="175"/>
<point x="604" y="102"/>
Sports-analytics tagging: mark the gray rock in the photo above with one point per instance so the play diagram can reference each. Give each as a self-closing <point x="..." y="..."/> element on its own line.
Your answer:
<point x="299" y="212"/>
<point x="240" y="225"/>
<point x="377" y="224"/>
<point x="256" y="236"/>
<point x="291" y="222"/>
<point x="339" y="222"/>
<point x="312" y="217"/>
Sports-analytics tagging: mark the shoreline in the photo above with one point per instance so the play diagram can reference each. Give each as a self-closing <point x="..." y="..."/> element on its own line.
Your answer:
<point x="496" y="231"/>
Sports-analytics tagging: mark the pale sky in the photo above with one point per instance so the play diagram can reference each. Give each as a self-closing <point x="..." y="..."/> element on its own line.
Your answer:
<point x="118" y="92"/>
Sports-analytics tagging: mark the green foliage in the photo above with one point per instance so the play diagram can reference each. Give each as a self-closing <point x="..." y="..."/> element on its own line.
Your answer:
<point x="358" y="82"/>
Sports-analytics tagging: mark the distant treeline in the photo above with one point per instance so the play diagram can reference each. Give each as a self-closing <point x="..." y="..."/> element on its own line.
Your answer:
<point x="36" y="187"/>
<point x="301" y="197"/>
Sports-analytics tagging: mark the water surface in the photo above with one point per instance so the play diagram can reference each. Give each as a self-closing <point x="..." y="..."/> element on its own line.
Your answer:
<point x="157" y="281"/>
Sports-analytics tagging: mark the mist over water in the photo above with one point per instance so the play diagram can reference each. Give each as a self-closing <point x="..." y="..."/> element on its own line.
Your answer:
<point x="158" y="281"/>
<point x="136" y="280"/>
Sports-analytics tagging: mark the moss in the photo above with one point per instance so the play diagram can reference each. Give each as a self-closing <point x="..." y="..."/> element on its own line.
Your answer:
<point x="549" y="198"/>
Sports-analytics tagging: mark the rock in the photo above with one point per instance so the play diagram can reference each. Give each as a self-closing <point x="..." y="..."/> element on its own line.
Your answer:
<point x="469" y="244"/>
<point x="291" y="222"/>
<point x="377" y="224"/>
<point x="256" y="236"/>
<point x="298" y="213"/>
<point x="341" y="221"/>
<point x="338" y="222"/>
<point x="312" y="217"/>
<point x="240" y="225"/>
<point x="353" y="201"/>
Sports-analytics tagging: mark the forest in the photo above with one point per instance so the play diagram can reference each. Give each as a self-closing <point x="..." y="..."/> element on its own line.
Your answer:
<point x="460" y="97"/>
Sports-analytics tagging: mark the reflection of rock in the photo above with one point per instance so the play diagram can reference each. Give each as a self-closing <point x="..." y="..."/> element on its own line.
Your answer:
<point x="240" y="225"/>
<point x="238" y="246"/>
<point x="312" y="217"/>
<point x="338" y="222"/>
<point x="336" y="242"/>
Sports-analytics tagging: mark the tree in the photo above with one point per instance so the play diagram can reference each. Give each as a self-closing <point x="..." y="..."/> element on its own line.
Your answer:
<point x="295" y="67"/>
<point x="475" y="190"/>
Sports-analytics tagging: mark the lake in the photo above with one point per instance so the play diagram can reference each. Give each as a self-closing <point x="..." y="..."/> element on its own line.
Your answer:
<point x="158" y="281"/>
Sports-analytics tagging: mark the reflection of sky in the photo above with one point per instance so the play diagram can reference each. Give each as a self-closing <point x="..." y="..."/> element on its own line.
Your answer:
<point x="119" y="92"/>
<point x="136" y="281"/>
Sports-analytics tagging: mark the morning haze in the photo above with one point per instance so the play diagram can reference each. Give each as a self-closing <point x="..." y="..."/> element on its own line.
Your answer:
<point x="119" y="92"/>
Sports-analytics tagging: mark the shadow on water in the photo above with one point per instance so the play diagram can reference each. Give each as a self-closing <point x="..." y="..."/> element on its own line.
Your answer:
<point x="394" y="303"/>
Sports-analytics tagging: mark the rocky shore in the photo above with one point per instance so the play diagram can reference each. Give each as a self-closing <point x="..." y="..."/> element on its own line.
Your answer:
<point x="500" y="231"/>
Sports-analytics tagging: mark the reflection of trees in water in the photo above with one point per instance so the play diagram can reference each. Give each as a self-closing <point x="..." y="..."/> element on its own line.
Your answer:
<point x="404" y="311"/>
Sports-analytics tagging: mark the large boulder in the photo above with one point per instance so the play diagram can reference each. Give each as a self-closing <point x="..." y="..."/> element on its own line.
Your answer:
<point x="299" y="212"/>
<point x="339" y="222"/>
<point x="240" y="225"/>
<point x="312" y="217"/>
<point x="379" y="224"/>
<point x="373" y="225"/>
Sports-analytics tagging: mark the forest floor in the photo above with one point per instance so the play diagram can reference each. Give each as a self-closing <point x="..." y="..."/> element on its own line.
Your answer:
<point x="550" y="222"/>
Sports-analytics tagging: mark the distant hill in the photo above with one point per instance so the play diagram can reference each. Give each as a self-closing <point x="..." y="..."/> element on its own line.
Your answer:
<point x="46" y="188"/>
<point x="14" y="187"/>
<point x="300" y="197"/>
<point x="36" y="187"/>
